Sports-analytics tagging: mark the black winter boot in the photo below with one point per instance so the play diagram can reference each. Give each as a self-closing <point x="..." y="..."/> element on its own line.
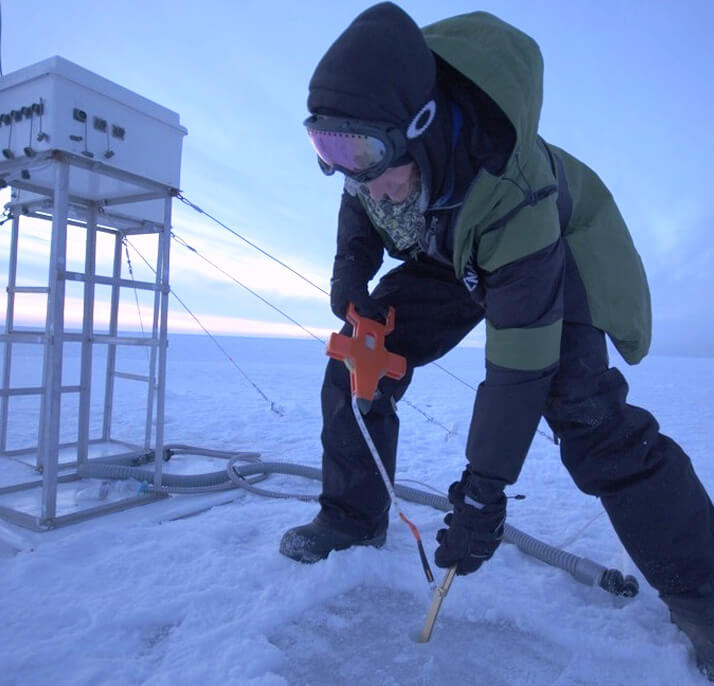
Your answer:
<point x="315" y="541"/>
<point x="693" y="613"/>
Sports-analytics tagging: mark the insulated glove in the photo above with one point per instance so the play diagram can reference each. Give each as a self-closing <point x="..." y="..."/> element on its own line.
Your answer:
<point x="475" y="527"/>
<point x="345" y="289"/>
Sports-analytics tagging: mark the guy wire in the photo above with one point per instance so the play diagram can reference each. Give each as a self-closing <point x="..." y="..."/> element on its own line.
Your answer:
<point x="196" y="208"/>
<point x="179" y="240"/>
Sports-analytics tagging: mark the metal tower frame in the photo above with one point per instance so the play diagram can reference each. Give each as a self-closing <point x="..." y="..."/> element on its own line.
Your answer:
<point x="62" y="208"/>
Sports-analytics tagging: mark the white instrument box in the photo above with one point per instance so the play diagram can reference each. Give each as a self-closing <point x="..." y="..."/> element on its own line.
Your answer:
<point x="58" y="105"/>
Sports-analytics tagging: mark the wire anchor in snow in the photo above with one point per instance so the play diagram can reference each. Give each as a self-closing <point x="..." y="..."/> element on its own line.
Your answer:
<point x="274" y="407"/>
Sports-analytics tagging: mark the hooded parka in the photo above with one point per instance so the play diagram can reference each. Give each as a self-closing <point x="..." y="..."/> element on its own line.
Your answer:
<point x="521" y="234"/>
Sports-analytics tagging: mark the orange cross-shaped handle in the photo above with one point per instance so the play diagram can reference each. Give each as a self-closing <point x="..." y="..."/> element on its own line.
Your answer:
<point x="366" y="356"/>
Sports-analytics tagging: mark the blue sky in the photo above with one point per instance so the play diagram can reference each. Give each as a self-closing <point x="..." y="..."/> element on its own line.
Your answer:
<point x="629" y="89"/>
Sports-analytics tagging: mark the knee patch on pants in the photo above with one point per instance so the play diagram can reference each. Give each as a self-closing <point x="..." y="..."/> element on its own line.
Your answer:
<point x="586" y="402"/>
<point x="604" y="441"/>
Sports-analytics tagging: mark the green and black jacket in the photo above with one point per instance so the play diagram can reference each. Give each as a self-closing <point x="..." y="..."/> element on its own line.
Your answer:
<point x="519" y="231"/>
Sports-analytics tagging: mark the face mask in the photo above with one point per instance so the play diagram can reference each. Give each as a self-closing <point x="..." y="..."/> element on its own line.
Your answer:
<point x="403" y="222"/>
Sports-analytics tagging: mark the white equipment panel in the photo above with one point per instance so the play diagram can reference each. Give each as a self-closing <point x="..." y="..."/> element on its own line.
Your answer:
<point x="58" y="105"/>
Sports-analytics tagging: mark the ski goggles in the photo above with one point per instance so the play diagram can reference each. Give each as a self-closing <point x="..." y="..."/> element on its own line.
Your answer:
<point x="359" y="149"/>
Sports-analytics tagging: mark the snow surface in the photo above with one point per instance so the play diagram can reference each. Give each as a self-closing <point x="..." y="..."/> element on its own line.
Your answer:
<point x="143" y="597"/>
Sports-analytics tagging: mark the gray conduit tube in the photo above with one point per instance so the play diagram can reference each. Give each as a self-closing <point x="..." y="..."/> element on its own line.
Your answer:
<point x="236" y="476"/>
<point x="581" y="568"/>
<point x="119" y="471"/>
<point x="174" y="483"/>
<point x="584" y="570"/>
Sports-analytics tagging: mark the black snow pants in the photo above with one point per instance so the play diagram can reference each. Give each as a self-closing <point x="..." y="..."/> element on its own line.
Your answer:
<point x="612" y="450"/>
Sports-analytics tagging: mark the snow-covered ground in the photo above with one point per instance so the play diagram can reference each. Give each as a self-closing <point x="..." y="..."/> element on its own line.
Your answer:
<point x="142" y="597"/>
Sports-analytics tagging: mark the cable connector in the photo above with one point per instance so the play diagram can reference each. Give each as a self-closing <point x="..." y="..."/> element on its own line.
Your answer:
<point x="614" y="582"/>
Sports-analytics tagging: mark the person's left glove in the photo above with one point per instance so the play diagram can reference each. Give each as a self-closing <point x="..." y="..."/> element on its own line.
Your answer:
<point x="349" y="285"/>
<point x="475" y="527"/>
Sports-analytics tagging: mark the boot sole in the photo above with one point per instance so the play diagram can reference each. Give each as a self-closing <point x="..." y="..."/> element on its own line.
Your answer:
<point x="294" y="548"/>
<point x="703" y="649"/>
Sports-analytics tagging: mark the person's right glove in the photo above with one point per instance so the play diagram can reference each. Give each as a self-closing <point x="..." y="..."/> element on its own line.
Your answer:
<point x="475" y="527"/>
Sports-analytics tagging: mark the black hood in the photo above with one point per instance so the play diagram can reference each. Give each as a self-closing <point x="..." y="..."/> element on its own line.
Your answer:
<point x="381" y="69"/>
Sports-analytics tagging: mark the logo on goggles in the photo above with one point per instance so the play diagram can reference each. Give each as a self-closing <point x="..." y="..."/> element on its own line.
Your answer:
<point x="427" y="114"/>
